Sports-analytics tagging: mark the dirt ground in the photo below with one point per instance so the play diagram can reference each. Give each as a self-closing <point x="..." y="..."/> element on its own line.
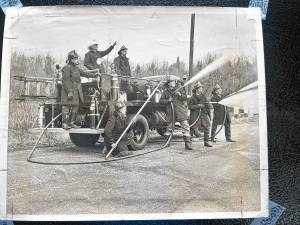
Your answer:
<point x="223" y="178"/>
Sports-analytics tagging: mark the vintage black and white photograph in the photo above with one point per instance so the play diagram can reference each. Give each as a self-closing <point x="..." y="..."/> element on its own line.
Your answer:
<point x="133" y="113"/>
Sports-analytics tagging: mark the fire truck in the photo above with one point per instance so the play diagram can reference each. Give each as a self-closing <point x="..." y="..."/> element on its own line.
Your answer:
<point x="100" y="94"/>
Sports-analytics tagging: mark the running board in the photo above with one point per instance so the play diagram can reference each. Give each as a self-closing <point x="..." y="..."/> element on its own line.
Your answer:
<point x="72" y="131"/>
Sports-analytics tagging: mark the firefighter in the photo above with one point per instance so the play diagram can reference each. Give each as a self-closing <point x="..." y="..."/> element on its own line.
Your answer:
<point x="122" y="68"/>
<point x="179" y="100"/>
<point x="220" y="113"/>
<point x="184" y="78"/>
<point x="71" y="93"/>
<point x="199" y="103"/>
<point x="92" y="59"/>
<point x="114" y="128"/>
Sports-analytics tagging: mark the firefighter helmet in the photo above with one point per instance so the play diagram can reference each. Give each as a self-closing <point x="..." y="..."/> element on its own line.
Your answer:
<point x="170" y="79"/>
<point x="121" y="49"/>
<point x="72" y="55"/>
<point x="93" y="46"/>
<point x="197" y="85"/>
<point x="216" y="87"/>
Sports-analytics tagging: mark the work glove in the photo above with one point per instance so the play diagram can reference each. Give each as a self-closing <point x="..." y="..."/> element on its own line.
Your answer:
<point x="70" y="95"/>
<point x="178" y="94"/>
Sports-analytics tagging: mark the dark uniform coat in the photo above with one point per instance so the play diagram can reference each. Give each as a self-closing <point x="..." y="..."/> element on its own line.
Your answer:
<point x="219" y="111"/>
<point x="90" y="59"/>
<point x="196" y="103"/>
<point x="71" y="84"/>
<point x="194" y="106"/>
<point x="122" y="66"/>
<point x="114" y="128"/>
<point x="179" y="103"/>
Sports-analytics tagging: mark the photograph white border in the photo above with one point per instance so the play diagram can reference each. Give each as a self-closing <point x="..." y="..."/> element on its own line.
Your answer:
<point x="254" y="13"/>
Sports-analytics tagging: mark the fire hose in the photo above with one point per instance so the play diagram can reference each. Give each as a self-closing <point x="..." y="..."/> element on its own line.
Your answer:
<point x="30" y="159"/>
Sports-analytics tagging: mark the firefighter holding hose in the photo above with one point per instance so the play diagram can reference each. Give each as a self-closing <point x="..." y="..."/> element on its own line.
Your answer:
<point x="198" y="103"/>
<point x="221" y="115"/>
<point x="179" y="100"/>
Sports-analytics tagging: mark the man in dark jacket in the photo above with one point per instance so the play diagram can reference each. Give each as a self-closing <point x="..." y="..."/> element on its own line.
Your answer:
<point x="179" y="100"/>
<point x="92" y="59"/>
<point x="221" y="114"/>
<point x="198" y="103"/>
<point x="71" y="93"/>
<point x="114" y="128"/>
<point x="122" y="68"/>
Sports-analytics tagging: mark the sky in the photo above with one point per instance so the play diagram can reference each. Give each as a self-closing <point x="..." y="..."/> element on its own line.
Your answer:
<point x="149" y="34"/>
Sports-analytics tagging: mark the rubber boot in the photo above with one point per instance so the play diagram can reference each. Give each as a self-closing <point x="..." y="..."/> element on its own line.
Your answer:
<point x="206" y="139"/>
<point x="188" y="142"/>
<point x="207" y="144"/>
<point x="73" y="119"/>
<point x="65" y="121"/>
<point x="123" y="154"/>
<point x="192" y="132"/>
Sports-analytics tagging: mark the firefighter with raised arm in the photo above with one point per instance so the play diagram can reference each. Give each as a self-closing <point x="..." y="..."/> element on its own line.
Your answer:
<point x="179" y="100"/>
<point x="221" y="115"/>
<point x="198" y="103"/>
<point x="114" y="128"/>
<point x="71" y="93"/>
<point x="93" y="58"/>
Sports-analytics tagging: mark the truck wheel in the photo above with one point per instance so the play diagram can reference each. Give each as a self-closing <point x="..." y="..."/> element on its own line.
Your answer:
<point x="84" y="140"/>
<point x="161" y="131"/>
<point x="140" y="130"/>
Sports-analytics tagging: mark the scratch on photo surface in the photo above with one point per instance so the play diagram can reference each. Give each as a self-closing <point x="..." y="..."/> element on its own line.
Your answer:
<point x="242" y="206"/>
<point x="12" y="209"/>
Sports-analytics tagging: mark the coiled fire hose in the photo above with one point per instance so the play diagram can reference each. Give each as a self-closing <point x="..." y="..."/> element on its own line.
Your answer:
<point x="30" y="159"/>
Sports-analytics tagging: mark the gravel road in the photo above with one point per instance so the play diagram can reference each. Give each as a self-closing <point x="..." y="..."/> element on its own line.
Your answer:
<point x="222" y="178"/>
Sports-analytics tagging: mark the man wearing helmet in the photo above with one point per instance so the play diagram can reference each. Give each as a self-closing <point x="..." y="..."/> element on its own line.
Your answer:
<point x="71" y="93"/>
<point x="221" y="115"/>
<point x="179" y="99"/>
<point x="114" y="128"/>
<point x="93" y="58"/>
<point x="198" y="103"/>
<point x="122" y="68"/>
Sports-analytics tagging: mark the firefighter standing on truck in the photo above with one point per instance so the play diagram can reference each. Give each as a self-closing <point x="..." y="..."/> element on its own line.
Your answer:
<point x="179" y="100"/>
<point x="93" y="58"/>
<point x="198" y="103"/>
<point x="122" y="68"/>
<point x="71" y="90"/>
<point x="114" y="128"/>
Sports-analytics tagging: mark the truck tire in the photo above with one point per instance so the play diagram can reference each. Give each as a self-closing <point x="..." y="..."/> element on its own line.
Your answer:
<point x="161" y="131"/>
<point x="140" y="130"/>
<point x="84" y="140"/>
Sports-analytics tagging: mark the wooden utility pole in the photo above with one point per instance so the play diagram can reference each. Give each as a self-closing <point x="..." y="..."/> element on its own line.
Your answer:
<point x="191" y="49"/>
